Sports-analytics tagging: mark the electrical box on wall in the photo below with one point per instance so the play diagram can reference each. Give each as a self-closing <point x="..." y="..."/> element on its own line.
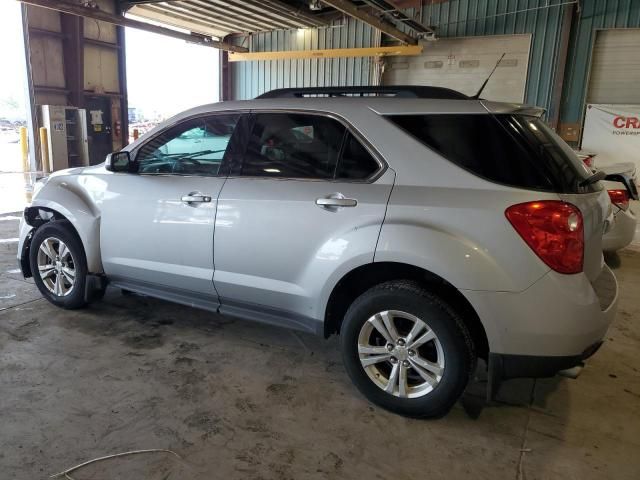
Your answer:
<point x="67" y="136"/>
<point x="100" y="127"/>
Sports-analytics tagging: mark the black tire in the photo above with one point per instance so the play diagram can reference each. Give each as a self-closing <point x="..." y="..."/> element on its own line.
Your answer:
<point x="454" y="338"/>
<point x="63" y="231"/>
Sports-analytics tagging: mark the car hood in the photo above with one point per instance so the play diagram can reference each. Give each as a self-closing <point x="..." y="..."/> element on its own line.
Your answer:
<point x="77" y="171"/>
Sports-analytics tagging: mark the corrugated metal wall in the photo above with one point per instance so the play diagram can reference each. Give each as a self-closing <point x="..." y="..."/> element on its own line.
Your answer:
<point x="593" y="15"/>
<point x="541" y="18"/>
<point x="454" y="18"/>
<point x="249" y="79"/>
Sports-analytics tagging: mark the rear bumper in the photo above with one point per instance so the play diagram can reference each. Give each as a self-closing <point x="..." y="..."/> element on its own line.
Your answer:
<point x="621" y="233"/>
<point x="503" y="367"/>
<point x="560" y="316"/>
<point x="517" y="366"/>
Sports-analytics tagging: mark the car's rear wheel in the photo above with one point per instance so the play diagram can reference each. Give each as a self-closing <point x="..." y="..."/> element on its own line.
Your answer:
<point x="58" y="264"/>
<point x="407" y="350"/>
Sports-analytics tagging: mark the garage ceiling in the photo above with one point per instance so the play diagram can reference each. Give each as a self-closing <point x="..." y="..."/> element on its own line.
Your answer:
<point x="222" y="17"/>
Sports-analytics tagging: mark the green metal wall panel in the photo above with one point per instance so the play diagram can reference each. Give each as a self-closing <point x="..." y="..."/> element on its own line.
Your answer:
<point x="249" y="79"/>
<point x="541" y="18"/>
<point x="454" y="18"/>
<point x="593" y="15"/>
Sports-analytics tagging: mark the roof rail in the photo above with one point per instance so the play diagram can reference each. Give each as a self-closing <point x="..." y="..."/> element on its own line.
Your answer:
<point x="398" y="91"/>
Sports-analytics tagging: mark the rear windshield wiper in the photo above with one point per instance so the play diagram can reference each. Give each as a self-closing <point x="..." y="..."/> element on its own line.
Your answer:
<point x="596" y="177"/>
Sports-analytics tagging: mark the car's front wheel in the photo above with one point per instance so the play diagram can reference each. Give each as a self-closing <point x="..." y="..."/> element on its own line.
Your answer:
<point x="58" y="264"/>
<point x="406" y="349"/>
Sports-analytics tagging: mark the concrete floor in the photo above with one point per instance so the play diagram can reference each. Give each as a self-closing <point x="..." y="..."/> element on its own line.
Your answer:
<point x="240" y="400"/>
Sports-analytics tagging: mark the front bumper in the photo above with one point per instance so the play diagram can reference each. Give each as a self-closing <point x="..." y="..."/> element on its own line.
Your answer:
<point x="558" y="316"/>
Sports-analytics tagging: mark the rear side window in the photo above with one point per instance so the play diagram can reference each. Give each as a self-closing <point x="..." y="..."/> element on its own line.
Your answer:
<point x="562" y="164"/>
<point x="515" y="150"/>
<point x="356" y="163"/>
<point x="299" y="145"/>
<point x="293" y="145"/>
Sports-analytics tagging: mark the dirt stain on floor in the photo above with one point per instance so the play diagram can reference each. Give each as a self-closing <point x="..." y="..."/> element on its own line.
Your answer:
<point x="145" y="340"/>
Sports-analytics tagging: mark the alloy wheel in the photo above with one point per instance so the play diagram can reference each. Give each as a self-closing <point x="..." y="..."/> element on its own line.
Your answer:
<point x="401" y="354"/>
<point x="56" y="266"/>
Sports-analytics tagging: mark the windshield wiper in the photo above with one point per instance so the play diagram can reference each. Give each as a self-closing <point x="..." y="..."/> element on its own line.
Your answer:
<point x="596" y="177"/>
<point x="191" y="155"/>
<point x="202" y="152"/>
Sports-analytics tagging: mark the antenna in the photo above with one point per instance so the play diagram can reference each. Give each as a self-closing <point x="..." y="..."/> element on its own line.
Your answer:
<point x="477" y="95"/>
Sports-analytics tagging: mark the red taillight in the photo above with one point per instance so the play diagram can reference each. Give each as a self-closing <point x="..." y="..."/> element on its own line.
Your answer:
<point x="619" y="198"/>
<point x="553" y="230"/>
<point x="588" y="160"/>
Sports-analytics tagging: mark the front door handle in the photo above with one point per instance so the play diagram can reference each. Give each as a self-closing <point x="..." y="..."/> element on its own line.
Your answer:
<point x="195" y="197"/>
<point x="336" y="200"/>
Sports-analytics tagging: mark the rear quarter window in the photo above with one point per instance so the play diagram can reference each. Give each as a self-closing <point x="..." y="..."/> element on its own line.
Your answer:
<point x="515" y="150"/>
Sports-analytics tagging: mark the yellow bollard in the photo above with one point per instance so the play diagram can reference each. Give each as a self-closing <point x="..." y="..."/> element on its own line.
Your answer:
<point x="24" y="148"/>
<point x="44" y="148"/>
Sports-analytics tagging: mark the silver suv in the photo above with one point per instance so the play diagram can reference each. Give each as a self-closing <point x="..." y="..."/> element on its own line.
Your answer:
<point x="426" y="228"/>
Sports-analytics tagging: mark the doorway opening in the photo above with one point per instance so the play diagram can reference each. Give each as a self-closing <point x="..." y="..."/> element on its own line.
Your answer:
<point x="13" y="108"/>
<point x="166" y="76"/>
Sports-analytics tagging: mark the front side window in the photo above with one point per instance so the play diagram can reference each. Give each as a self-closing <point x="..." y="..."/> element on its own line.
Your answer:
<point x="293" y="145"/>
<point x="193" y="147"/>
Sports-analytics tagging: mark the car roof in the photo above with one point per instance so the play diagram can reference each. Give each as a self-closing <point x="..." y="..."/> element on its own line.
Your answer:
<point x="381" y="105"/>
<point x="397" y="91"/>
<point x="348" y="106"/>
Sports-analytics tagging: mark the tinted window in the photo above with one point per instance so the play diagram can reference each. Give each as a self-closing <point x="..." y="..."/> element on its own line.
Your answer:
<point x="561" y="162"/>
<point x="356" y="163"/>
<point x="194" y="147"/>
<point x="514" y="150"/>
<point x="293" y="146"/>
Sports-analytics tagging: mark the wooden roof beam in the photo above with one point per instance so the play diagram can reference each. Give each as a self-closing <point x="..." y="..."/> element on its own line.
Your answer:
<point x="403" y="50"/>
<point x="349" y="8"/>
<point x="96" y="14"/>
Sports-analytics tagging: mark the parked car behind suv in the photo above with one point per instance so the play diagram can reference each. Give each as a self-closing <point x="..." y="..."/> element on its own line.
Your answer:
<point x="621" y="184"/>
<point x="426" y="228"/>
<point x="625" y="220"/>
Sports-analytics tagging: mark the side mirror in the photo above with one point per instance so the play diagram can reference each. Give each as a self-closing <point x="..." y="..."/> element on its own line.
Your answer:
<point x="118" y="162"/>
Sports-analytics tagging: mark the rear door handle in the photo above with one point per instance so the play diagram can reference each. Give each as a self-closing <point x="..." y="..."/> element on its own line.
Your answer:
<point x="336" y="200"/>
<point x="196" y="197"/>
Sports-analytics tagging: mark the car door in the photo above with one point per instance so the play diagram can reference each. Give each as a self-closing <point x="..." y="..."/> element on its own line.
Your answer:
<point x="305" y="205"/>
<point x="157" y="223"/>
